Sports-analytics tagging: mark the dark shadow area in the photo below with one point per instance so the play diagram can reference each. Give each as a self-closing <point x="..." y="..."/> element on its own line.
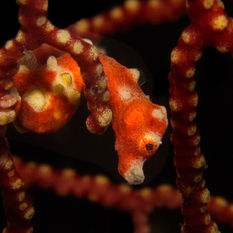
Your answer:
<point x="9" y="21"/>
<point x="214" y="84"/>
<point x="82" y="215"/>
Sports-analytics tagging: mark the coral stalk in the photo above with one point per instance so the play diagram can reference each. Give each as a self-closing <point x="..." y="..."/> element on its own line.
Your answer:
<point x="18" y="209"/>
<point x="132" y="12"/>
<point x="140" y="203"/>
<point x="209" y="26"/>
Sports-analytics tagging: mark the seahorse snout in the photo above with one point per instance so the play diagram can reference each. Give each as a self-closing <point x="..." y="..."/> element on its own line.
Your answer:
<point x="135" y="175"/>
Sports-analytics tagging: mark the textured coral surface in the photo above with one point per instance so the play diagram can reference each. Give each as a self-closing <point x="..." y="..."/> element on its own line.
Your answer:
<point x="153" y="44"/>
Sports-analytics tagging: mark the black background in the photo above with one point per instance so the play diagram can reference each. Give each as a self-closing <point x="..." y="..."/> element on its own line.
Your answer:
<point x="148" y="48"/>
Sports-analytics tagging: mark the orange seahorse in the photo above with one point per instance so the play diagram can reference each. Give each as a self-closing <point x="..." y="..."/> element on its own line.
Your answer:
<point x="51" y="92"/>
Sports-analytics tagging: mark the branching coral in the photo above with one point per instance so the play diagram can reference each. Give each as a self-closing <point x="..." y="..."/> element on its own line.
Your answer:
<point x="45" y="69"/>
<point x="209" y="26"/>
<point x="139" y="203"/>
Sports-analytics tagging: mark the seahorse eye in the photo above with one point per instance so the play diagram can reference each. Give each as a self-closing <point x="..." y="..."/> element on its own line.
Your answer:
<point x="148" y="143"/>
<point x="149" y="146"/>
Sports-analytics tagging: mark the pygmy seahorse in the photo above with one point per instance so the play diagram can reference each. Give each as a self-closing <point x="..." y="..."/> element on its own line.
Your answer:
<point x="50" y="92"/>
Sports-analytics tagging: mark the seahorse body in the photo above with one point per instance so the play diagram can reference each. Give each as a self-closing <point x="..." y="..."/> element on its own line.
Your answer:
<point x="50" y="94"/>
<point x="138" y="123"/>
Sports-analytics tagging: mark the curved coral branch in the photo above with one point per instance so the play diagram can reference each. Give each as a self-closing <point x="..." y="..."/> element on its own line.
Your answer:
<point x="130" y="13"/>
<point x="18" y="209"/>
<point x="221" y="210"/>
<point x="100" y="189"/>
<point x="8" y="95"/>
<point x="36" y="25"/>
<point x="210" y="26"/>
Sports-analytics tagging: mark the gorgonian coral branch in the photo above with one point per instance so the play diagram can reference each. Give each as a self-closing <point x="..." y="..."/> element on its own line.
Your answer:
<point x="34" y="22"/>
<point x="209" y="26"/>
<point x="18" y="209"/>
<point x="35" y="30"/>
<point x="100" y="189"/>
<point x="130" y="13"/>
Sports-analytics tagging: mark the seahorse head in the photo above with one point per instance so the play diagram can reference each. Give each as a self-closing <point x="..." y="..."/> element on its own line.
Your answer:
<point x="138" y="138"/>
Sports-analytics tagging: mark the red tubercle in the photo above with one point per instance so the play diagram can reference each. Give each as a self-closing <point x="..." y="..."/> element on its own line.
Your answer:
<point x="69" y="64"/>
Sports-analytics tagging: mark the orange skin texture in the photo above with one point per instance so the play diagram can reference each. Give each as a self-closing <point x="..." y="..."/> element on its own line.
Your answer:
<point x="131" y="118"/>
<point x="58" y="110"/>
<point x="132" y="112"/>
